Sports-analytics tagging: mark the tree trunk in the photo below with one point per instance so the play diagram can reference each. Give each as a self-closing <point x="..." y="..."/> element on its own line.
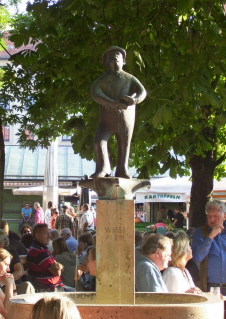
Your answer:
<point x="202" y="187"/>
<point x="2" y="168"/>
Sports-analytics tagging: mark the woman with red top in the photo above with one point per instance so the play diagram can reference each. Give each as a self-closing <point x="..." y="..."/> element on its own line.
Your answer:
<point x="54" y="214"/>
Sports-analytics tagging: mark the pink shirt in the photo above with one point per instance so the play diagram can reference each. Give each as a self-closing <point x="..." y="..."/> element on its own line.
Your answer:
<point x="160" y="225"/>
<point x="39" y="215"/>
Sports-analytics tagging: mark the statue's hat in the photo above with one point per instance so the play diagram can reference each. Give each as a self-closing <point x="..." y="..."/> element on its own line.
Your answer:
<point x="113" y="48"/>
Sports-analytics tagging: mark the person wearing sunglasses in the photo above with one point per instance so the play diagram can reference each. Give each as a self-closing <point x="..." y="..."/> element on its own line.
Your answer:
<point x="25" y="230"/>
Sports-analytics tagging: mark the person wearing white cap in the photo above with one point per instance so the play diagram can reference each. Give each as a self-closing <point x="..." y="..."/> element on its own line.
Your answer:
<point x="117" y="93"/>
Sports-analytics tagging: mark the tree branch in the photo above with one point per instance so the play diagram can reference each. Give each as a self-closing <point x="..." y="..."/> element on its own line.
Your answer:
<point x="220" y="160"/>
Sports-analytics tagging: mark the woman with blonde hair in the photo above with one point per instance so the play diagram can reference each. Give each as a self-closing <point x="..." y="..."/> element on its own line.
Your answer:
<point x="71" y="211"/>
<point x="39" y="215"/>
<point x="65" y="258"/>
<point x="7" y="280"/>
<point x="55" y="307"/>
<point x="176" y="277"/>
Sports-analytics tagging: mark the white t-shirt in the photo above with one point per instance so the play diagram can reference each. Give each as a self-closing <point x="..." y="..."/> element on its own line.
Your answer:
<point x="87" y="217"/>
<point x="48" y="217"/>
<point x="177" y="280"/>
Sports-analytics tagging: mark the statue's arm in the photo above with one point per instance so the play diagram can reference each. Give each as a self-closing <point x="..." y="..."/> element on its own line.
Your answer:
<point x="102" y="99"/>
<point x="137" y="90"/>
<point x="99" y="96"/>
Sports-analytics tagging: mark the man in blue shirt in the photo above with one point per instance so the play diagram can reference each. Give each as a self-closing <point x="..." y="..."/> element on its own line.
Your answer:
<point x="26" y="213"/>
<point x="71" y="242"/>
<point x="209" y="247"/>
<point x="154" y="257"/>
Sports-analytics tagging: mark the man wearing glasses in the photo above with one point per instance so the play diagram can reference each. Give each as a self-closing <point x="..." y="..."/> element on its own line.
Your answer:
<point x="209" y="247"/>
<point x="155" y="255"/>
<point x="26" y="213"/>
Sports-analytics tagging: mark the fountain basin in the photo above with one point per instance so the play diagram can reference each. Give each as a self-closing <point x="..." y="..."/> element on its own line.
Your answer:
<point x="146" y="306"/>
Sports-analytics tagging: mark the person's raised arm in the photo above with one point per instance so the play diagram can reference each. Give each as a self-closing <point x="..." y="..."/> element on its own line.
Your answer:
<point x="200" y="245"/>
<point x="56" y="269"/>
<point x="216" y="230"/>
<point x="8" y="281"/>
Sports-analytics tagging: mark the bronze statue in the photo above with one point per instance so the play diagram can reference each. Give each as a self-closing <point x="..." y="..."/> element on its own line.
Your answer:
<point x="117" y="93"/>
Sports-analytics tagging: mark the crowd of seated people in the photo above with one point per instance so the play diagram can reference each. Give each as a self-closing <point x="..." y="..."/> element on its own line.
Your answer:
<point x="51" y="260"/>
<point x="64" y="266"/>
<point x="163" y="263"/>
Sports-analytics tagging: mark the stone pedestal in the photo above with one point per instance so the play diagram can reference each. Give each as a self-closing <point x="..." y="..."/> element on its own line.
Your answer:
<point x="115" y="252"/>
<point x="115" y="238"/>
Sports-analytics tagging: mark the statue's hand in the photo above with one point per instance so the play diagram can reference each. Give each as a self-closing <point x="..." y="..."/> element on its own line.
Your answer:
<point x="128" y="100"/>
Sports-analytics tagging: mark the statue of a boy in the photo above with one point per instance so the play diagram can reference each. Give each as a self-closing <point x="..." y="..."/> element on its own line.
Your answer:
<point x="117" y="93"/>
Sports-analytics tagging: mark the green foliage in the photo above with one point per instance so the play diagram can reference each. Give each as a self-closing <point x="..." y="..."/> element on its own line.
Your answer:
<point x="176" y="49"/>
<point x="4" y="18"/>
<point x="4" y="21"/>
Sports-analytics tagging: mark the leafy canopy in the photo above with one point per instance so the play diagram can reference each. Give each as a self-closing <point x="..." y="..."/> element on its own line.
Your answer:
<point x="176" y="49"/>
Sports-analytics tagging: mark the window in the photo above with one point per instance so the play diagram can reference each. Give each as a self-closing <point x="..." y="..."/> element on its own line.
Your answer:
<point x="5" y="106"/>
<point x="66" y="137"/>
<point x="30" y="136"/>
<point x="6" y="132"/>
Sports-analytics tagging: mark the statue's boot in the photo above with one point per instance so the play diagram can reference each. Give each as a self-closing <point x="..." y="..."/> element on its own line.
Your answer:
<point x="122" y="174"/>
<point x="100" y="174"/>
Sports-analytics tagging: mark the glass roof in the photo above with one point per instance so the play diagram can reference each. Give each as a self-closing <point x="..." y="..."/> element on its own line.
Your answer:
<point x="23" y="163"/>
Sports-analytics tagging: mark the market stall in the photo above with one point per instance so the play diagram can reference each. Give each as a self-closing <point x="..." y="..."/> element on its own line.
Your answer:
<point x="173" y="192"/>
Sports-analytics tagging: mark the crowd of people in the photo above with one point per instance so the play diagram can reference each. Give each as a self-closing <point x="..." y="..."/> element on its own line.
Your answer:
<point x="57" y="262"/>
<point x="168" y="263"/>
<point x="51" y="253"/>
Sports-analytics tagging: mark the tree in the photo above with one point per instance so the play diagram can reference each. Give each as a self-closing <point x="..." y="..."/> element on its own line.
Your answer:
<point x="189" y="105"/>
<point x="176" y="48"/>
<point x="4" y="20"/>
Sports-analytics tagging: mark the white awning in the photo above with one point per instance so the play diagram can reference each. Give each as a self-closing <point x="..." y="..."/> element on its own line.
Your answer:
<point x="175" y="190"/>
<point x="39" y="191"/>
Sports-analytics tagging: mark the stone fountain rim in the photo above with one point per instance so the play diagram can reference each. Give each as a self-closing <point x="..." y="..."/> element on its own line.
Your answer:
<point x="207" y="298"/>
